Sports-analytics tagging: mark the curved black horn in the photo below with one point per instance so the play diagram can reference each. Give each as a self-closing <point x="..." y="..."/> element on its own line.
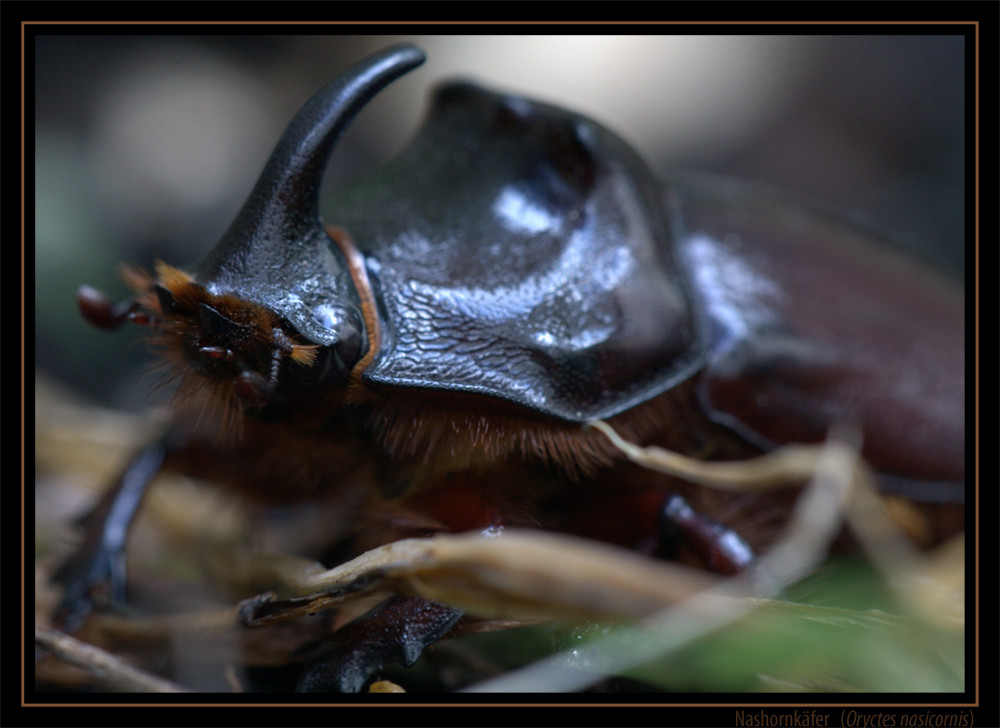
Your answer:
<point x="276" y="243"/>
<point x="291" y="180"/>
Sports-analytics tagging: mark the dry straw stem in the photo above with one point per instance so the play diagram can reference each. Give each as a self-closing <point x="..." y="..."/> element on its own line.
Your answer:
<point x="515" y="575"/>
<point x="117" y="674"/>
<point x="839" y="485"/>
<point x="529" y="575"/>
<point x="850" y="495"/>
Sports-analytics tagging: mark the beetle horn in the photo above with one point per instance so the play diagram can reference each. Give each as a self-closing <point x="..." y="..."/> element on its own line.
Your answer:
<point x="289" y="185"/>
<point x="279" y="228"/>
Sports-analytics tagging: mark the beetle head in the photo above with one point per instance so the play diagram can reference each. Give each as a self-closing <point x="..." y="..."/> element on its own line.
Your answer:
<point x="233" y="347"/>
<point x="275" y="288"/>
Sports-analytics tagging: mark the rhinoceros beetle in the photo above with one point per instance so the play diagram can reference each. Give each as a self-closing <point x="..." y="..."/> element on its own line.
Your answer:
<point x="515" y="272"/>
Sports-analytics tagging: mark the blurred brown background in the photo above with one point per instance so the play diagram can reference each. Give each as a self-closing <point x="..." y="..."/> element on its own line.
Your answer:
<point x="145" y="146"/>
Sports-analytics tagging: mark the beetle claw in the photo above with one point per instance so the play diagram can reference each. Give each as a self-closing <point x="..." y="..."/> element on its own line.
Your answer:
<point x="395" y="631"/>
<point x="720" y="547"/>
<point x="100" y="559"/>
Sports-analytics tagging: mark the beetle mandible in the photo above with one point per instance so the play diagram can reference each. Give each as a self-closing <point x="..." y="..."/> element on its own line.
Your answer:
<point x="515" y="272"/>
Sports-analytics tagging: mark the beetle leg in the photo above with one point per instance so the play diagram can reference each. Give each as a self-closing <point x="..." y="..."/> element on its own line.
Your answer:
<point x="720" y="547"/>
<point x="399" y="629"/>
<point x="395" y="631"/>
<point x="100" y="558"/>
